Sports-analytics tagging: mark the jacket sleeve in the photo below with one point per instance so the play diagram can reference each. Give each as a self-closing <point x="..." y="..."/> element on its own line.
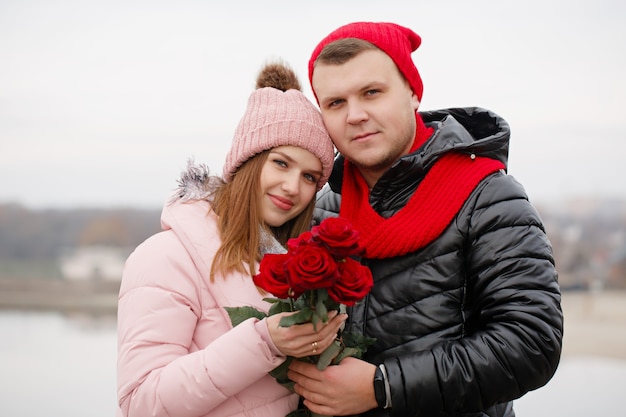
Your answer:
<point x="160" y="373"/>
<point x="513" y="323"/>
<point x="326" y="204"/>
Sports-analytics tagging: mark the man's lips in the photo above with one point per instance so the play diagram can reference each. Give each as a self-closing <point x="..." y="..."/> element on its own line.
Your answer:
<point x="362" y="136"/>
<point x="281" y="203"/>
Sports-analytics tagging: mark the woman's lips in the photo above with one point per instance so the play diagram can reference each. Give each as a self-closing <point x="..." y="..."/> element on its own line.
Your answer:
<point x="281" y="203"/>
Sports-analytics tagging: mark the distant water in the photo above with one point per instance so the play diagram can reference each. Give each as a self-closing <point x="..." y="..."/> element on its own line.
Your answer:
<point x="581" y="387"/>
<point x="60" y="366"/>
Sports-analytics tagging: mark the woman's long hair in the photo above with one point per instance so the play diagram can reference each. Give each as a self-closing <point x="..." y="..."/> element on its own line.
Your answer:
<point x="238" y="208"/>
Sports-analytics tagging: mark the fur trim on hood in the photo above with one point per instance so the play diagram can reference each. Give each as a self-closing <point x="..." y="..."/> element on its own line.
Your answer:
<point x="196" y="183"/>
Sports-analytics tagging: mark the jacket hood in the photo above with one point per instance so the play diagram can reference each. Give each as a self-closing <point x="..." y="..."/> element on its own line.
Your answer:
<point x="196" y="183"/>
<point x="468" y="130"/>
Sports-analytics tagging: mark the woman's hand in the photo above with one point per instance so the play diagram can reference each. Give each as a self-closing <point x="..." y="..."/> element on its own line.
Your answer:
<point x="302" y="340"/>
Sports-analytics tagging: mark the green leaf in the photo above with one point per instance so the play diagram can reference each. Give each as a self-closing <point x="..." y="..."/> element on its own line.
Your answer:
<point x="353" y="339"/>
<point x="301" y="302"/>
<point x="300" y="412"/>
<point x="280" y="372"/>
<point x="302" y="316"/>
<point x="333" y="305"/>
<point x="322" y="295"/>
<point x="347" y="351"/>
<point x="240" y="314"/>
<point x="279" y="307"/>
<point x="322" y="312"/>
<point x="328" y="355"/>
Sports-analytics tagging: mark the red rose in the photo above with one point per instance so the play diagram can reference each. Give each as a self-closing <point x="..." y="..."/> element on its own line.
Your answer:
<point x="272" y="276"/>
<point x="311" y="269"/>
<point x="337" y="233"/>
<point x="355" y="281"/>
<point x="294" y="244"/>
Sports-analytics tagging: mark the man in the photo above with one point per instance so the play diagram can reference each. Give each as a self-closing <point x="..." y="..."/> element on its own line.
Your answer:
<point x="465" y="307"/>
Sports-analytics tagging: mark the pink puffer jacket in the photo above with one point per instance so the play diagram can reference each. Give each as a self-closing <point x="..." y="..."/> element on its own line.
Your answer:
<point x="178" y="354"/>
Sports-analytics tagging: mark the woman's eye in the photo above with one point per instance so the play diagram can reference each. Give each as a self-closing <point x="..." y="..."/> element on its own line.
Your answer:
<point x="280" y="162"/>
<point x="310" y="177"/>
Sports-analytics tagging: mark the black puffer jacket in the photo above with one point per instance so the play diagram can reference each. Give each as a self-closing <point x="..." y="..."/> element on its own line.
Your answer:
<point x="473" y="320"/>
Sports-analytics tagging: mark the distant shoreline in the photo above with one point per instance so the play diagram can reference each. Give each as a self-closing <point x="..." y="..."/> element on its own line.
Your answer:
<point x="595" y="321"/>
<point x="97" y="297"/>
<point x="595" y="324"/>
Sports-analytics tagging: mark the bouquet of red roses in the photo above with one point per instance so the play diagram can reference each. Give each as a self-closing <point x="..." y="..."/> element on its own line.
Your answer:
<point x="315" y="276"/>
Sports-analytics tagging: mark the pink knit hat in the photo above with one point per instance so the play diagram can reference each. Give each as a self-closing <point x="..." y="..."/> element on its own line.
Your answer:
<point x="279" y="118"/>
<point x="396" y="41"/>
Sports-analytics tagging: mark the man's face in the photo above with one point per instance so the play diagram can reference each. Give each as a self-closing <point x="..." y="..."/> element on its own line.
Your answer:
<point x="368" y="109"/>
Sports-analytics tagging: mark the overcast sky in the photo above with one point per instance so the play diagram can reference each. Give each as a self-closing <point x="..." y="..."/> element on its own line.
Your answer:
<point x="102" y="102"/>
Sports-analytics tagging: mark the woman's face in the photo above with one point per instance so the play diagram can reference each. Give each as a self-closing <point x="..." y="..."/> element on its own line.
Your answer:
<point x="288" y="183"/>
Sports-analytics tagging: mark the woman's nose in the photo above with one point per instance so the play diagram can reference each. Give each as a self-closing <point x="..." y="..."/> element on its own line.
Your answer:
<point x="291" y="184"/>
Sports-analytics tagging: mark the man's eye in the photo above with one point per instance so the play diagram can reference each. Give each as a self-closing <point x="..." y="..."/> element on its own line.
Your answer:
<point x="335" y="103"/>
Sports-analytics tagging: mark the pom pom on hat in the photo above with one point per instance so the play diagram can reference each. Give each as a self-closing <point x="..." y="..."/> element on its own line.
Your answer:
<point x="396" y="41"/>
<point x="274" y="117"/>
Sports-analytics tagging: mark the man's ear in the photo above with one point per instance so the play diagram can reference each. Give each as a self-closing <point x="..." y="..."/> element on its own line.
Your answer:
<point x="415" y="102"/>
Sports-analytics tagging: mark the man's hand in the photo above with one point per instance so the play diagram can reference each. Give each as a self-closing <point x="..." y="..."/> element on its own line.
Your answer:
<point x="339" y="390"/>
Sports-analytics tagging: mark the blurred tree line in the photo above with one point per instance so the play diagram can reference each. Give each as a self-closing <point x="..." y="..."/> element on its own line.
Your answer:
<point x="31" y="241"/>
<point x="588" y="238"/>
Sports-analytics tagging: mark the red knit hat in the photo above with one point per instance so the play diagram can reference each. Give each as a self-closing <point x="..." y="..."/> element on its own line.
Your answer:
<point x="396" y="41"/>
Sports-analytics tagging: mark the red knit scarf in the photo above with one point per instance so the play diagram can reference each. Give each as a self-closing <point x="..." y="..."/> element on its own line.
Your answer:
<point x="435" y="202"/>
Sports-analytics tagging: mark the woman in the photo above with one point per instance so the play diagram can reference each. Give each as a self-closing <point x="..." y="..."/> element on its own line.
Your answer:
<point x="178" y="354"/>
